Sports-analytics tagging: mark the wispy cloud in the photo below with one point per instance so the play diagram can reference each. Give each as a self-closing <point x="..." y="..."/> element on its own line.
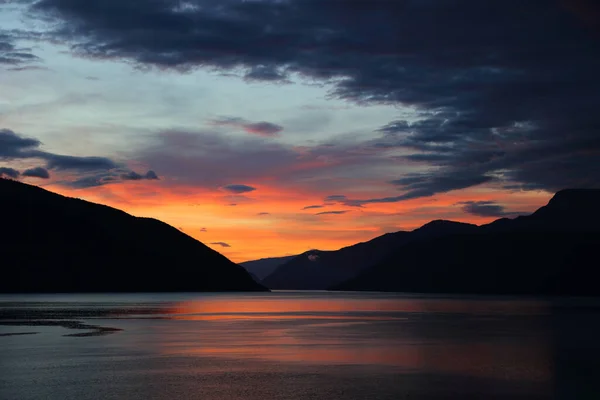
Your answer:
<point x="332" y="212"/>
<point x="260" y="128"/>
<point x="222" y="244"/>
<point x="238" y="188"/>
<point x="312" y="207"/>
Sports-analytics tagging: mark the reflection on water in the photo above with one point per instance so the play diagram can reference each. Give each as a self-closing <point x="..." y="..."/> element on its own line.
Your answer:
<point x="296" y="345"/>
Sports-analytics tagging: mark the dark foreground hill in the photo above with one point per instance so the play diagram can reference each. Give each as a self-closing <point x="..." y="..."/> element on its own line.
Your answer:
<point x="554" y="251"/>
<point x="318" y="270"/>
<point x="52" y="243"/>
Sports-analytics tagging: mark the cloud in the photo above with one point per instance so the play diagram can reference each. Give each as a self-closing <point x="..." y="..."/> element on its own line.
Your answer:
<point x="427" y="185"/>
<point x="203" y="230"/>
<point x="266" y="73"/>
<point x="37" y="172"/>
<point x="61" y="162"/>
<point x="209" y="159"/>
<point x="151" y="175"/>
<point x="89" y="171"/>
<point x="485" y="209"/>
<point x="9" y="172"/>
<point x="332" y="212"/>
<point x="335" y="198"/>
<point x="16" y="146"/>
<point x="238" y="188"/>
<point x="12" y="55"/>
<point x="222" y="244"/>
<point x="108" y="177"/>
<point x="261" y="128"/>
<point x="263" y="214"/>
<point x="519" y="107"/>
<point x="215" y="159"/>
<point x="312" y="207"/>
<point x="91" y="181"/>
<point x="134" y="176"/>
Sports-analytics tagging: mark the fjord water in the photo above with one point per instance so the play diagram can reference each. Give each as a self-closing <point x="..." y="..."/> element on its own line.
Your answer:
<point x="296" y="345"/>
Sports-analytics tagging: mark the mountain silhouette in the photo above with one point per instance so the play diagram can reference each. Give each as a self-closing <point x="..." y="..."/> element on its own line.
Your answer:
<point x="261" y="268"/>
<point x="553" y="251"/>
<point x="319" y="270"/>
<point x="52" y="243"/>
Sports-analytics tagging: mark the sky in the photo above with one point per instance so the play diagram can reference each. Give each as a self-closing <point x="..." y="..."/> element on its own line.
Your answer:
<point x="272" y="127"/>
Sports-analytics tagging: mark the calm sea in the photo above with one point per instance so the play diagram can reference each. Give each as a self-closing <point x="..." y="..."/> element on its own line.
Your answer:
<point x="297" y="345"/>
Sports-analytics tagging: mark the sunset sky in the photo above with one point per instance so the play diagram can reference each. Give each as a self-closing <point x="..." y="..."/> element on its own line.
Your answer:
<point x="271" y="127"/>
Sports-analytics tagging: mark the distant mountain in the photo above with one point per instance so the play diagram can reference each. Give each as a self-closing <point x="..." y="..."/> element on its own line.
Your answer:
<point x="319" y="270"/>
<point x="263" y="267"/>
<point x="52" y="243"/>
<point x="554" y="251"/>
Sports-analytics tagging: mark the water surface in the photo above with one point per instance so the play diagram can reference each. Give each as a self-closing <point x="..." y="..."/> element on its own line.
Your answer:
<point x="297" y="345"/>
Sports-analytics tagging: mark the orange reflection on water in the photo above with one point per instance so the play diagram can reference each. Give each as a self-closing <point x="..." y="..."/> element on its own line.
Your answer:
<point x="389" y="331"/>
<point x="529" y="362"/>
<point x="282" y="306"/>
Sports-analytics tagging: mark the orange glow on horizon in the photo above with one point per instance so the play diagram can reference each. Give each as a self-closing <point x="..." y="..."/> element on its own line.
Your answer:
<point x="271" y="222"/>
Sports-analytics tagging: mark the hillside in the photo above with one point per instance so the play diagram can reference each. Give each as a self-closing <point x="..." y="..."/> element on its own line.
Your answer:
<point x="52" y="243"/>
<point x="319" y="270"/>
<point x="551" y="252"/>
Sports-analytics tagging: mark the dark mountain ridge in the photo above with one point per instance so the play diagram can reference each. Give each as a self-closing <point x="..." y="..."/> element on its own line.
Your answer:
<point x="550" y="252"/>
<point x="319" y="270"/>
<point x="52" y="243"/>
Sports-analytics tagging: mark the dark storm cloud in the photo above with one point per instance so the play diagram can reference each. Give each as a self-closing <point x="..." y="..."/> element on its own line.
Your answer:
<point x="502" y="91"/>
<point x="90" y="171"/>
<point x="332" y="212"/>
<point x="484" y="208"/>
<point x="238" y="188"/>
<point x="9" y="172"/>
<point x="11" y="54"/>
<point x="222" y="244"/>
<point x="37" y="172"/>
<point x="261" y="128"/>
